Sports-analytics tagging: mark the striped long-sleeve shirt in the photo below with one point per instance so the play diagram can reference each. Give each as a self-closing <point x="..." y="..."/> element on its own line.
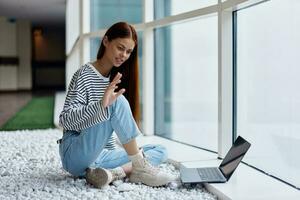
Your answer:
<point x="83" y="105"/>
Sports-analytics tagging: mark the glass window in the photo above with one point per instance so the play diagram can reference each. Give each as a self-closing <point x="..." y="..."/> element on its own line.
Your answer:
<point x="140" y="54"/>
<point x="105" y="13"/>
<point x="268" y="104"/>
<point x="173" y="7"/>
<point x="186" y="82"/>
<point x="95" y="44"/>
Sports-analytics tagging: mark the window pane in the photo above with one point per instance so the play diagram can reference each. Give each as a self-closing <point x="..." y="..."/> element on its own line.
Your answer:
<point x="268" y="98"/>
<point x="95" y="44"/>
<point x="173" y="7"/>
<point x="105" y="13"/>
<point x="140" y="54"/>
<point x="186" y="82"/>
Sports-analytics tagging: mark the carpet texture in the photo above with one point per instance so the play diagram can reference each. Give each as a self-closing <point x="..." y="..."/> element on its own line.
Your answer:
<point x="30" y="168"/>
<point x="37" y="114"/>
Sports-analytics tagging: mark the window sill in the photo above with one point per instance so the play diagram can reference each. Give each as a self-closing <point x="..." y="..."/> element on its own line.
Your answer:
<point x="245" y="183"/>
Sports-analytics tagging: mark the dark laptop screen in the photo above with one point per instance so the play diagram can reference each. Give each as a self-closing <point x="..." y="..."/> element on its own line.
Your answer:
<point x="234" y="156"/>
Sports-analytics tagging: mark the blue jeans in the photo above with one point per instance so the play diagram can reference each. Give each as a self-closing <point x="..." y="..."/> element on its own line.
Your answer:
<point x="80" y="150"/>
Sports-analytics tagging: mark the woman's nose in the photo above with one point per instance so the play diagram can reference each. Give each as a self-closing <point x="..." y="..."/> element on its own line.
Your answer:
<point x="124" y="54"/>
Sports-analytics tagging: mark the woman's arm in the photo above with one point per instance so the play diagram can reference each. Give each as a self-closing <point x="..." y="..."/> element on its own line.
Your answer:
<point x="80" y="117"/>
<point x="78" y="113"/>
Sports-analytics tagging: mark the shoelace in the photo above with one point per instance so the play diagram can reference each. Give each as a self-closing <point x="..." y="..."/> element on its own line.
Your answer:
<point x="153" y="169"/>
<point x="117" y="174"/>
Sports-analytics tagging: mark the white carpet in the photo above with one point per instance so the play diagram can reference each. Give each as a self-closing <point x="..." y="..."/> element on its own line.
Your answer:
<point x="30" y="168"/>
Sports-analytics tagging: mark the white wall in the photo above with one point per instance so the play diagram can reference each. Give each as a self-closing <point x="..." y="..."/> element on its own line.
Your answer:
<point x="73" y="27"/>
<point x="24" y="53"/>
<point x="72" y="65"/>
<point x="72" y="23"/>
<point x="15" y="40"/>
<point x="8" y="39"/>
<point x="8" y="48"/>
<point x="8" y="78"/>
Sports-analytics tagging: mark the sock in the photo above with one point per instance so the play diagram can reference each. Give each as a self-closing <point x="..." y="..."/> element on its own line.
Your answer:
<point x="135" y="158"/>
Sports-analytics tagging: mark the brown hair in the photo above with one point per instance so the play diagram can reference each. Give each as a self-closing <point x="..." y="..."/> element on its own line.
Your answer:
<point x="129" y="69"/>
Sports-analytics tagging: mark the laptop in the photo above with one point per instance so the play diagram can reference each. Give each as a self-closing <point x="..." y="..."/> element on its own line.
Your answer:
<point x="219" y="174"/>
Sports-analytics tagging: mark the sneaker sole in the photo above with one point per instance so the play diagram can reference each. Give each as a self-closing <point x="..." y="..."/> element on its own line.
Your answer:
<point x="137" y="179"/>
<point x="98" y="178"/>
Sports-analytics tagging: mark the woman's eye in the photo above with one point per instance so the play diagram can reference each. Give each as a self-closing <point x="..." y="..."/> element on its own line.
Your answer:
<point x="121" y="48"/>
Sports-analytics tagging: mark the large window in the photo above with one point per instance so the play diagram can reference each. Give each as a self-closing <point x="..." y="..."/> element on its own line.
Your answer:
<point x="186" y="82"/>
<point x="189" y="71"/>
<point x="268" y="98"/>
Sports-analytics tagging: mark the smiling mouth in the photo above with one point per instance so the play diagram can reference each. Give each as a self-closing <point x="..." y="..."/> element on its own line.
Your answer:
<point x="119" y="60"/>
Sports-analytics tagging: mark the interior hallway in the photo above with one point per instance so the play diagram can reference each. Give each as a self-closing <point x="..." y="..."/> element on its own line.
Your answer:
<point x="11" y="103"/>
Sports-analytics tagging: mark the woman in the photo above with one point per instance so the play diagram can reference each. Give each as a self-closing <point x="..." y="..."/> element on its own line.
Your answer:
<point x="94" y="108"/>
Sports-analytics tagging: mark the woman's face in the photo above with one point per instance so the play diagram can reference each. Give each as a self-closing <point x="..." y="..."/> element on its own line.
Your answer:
<point x="118" y="50"/>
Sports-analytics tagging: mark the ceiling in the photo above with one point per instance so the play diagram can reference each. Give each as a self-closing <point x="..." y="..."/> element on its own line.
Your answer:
<point x="39" y="12"/>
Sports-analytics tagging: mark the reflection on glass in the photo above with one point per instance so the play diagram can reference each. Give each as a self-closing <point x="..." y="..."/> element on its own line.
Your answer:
<point x="186" y="82"/>
<point x="268" y="98"/>
<point x="94" y="47"/>
<point x="140" y="54"/>
<point x="105" y="13"/>
<point x="173" y="7"/>
<point x="234" y="156"/>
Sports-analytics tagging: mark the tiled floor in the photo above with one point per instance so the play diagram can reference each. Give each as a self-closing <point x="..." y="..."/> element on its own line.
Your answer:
<point x="12" y="102"/>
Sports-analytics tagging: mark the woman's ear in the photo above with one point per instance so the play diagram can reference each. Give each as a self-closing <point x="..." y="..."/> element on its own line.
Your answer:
<point x="105" y="41"/>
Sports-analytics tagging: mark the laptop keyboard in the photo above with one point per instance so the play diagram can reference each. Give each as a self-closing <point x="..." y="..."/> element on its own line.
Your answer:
<point x="209" y="173"/>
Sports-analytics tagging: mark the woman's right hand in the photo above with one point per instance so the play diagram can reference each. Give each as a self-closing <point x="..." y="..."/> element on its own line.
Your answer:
<point x="110" y="95"/>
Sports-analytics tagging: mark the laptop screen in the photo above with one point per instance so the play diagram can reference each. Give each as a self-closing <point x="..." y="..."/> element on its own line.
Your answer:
<point x="234" y="156"/>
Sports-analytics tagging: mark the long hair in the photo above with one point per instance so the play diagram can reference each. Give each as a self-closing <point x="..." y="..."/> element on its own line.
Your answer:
<point x="129" y="69"/>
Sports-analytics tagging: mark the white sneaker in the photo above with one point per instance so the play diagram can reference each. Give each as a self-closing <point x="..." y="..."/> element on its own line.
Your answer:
<point x="146" y="173"/>
<point x="100" y="177"/>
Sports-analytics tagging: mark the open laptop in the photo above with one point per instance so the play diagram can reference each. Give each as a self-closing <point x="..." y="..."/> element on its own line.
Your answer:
<point x="219" y="174"/>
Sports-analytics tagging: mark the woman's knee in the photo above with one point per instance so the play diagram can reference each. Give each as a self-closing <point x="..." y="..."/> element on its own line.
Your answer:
<point x="163" y="151"/>
<point x="119" y="106"/>
<point x="156" y="154"/>
<point x="121" y="101"/>
<point x="76" y="170"/>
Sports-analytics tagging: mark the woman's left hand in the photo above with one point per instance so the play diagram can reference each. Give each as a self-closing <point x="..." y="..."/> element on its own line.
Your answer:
<point x="110" y="95"/>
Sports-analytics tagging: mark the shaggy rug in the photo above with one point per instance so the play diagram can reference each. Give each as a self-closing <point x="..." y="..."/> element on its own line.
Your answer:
<point x="30" y="168"/>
